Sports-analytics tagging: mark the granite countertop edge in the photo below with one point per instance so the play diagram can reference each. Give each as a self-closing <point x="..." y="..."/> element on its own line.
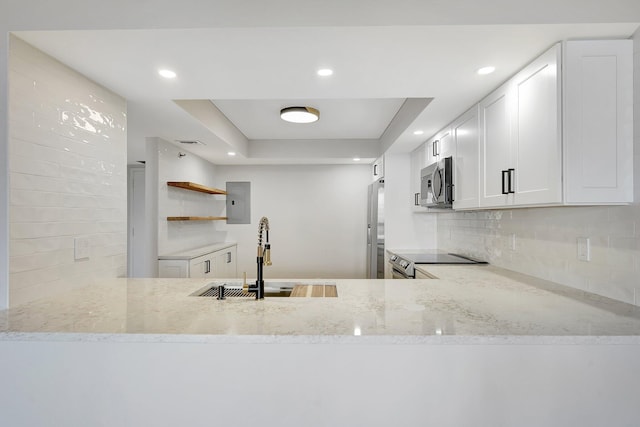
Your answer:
<point x="323" y="339"/>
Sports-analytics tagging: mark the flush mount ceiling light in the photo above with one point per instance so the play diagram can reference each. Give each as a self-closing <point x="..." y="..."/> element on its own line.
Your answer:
<point x="418" y="132"/>
<point x="299" y="114"/>
<point x="167" y="74"/>
<point x="486" y="70"/>
<point x="325" y="72"/>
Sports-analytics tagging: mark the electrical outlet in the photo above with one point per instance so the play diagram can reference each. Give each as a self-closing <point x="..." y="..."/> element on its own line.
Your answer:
<point x="584" y="249"/>
<point x="80" y="248"/>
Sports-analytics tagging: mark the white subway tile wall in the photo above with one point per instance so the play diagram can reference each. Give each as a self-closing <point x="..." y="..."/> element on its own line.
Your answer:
<point x="67" y="171"/>
<point x="546" y="238"/>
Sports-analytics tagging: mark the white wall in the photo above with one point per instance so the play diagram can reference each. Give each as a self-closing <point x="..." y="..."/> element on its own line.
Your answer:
<point x="404" y="229"/>
<point x="352" y="384"/>
<point x="317" y="215"/>
<point x="175" y="236"/>
<point x="67" y="166"/>
<point x="546" y="244"/>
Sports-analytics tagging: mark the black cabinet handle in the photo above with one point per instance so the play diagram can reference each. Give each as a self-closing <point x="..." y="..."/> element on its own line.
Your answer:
<point x="434" y="148"/>
<point x="505" y="173"/>
<point x="416" y="199"/>
<point x="375" y="170"/>
<point x="228" y="257"/>
<point x="512" y="179"/>
<point x="207" y="266"/>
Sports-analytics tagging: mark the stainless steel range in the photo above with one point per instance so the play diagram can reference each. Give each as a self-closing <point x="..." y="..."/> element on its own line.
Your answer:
<point x="403" y="263"/>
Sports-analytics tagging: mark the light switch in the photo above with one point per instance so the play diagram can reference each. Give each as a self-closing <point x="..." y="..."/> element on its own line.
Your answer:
<point x="81" y="248"/>
<point x="584" y="249"/>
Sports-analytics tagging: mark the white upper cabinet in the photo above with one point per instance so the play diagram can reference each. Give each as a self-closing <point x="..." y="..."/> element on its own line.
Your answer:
<point x="440" y="146"/>
<point x="467" y="160"/>
<point x="495" y="147"/>
<point x="598" y="121"/>
<point x="560" y="132"/>
<point x="536" y="140"/>
<point x="521" y="149"/>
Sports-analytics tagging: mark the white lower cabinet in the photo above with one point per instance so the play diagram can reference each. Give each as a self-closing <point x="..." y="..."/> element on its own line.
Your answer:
<point x="217" y="264"/>
<point x="224" y="263"/>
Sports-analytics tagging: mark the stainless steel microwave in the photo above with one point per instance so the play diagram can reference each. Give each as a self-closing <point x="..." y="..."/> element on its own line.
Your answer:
<point x="436" y="184"/>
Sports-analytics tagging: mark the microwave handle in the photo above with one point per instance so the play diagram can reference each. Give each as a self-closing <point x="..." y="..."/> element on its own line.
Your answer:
<point x="416" y="199"/>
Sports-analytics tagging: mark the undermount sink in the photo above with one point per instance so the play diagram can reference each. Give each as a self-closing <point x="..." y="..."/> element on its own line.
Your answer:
<point x="235" y="290"/>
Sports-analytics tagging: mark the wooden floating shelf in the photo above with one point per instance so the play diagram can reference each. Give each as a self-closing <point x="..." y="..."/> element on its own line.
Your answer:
<point x="196" y="218"/>
<point x="195" y="187"/>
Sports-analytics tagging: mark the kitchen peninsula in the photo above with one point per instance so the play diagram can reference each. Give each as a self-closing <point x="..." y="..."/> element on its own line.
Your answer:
<point x="508" y="348"/>
<point x="469" y="301"/>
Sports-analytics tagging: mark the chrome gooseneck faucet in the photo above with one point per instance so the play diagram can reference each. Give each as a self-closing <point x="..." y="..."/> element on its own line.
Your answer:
<point x="264" y="258"/>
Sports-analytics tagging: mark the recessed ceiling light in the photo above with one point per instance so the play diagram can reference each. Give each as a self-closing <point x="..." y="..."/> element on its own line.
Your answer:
<point x="325" y="72"/>
<point x="486" y="70"/>
<point x="299" y="114"/>
<point x="356" y="159"/>
<point x="418" y="132"/>
<point x="167" y="74"/>
<point x="231" y="153"/>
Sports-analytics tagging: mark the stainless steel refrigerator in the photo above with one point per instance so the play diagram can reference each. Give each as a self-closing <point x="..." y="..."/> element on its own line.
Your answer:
<point x="375" y="230"/>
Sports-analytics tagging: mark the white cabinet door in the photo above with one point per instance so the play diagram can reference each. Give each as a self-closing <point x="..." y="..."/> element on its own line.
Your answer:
<point x="440" y="146"/>
<point x="495" y="147"/>
<point x="173" y="268"/>
<point x="225" y="263"/>
<point x="199" y="267"/>
<point x="598" y="121"/>
<point x="467" y="160"/>
<point x="536" y="138"/>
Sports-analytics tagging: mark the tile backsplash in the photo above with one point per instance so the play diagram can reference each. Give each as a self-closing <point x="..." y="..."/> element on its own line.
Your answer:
<point x="543" y="242"/>
<point x="67" y="173"/>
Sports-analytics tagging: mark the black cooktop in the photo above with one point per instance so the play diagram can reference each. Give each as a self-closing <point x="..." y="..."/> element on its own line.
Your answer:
<point x="439" y="258"/>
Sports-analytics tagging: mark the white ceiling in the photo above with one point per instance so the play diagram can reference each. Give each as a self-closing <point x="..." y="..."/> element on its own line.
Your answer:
<point x="258" y="66"/>
<point x="339" y="118"/>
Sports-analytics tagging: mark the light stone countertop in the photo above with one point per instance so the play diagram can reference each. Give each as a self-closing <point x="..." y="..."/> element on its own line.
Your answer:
<point x="474" y="304"/>
<point x="196" y="252"/>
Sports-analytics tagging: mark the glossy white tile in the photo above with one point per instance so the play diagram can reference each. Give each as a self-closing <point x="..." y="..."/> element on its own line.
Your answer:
<point x="67" y="148"/>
